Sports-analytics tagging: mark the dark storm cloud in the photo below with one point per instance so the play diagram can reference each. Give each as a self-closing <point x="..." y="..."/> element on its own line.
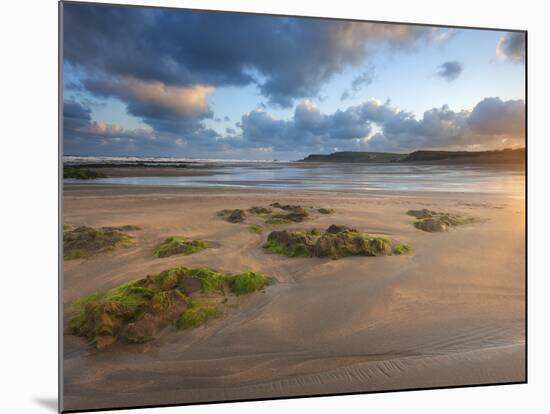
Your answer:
<point x="512" y="47"/>
<point x="450" y="71"/>
<point x="287" y="58"/>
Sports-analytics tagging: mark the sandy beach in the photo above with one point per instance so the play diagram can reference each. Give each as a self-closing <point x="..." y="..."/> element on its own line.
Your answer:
<point x="449" y="313"/>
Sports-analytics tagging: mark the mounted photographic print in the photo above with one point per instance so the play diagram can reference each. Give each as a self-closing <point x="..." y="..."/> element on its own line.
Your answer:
<point x="264" y="206"/>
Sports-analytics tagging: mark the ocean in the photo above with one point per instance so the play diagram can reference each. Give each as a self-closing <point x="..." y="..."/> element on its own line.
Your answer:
<point x="321" y="177"/>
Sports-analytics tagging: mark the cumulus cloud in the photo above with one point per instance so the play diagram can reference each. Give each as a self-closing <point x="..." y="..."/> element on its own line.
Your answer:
<point x="492" y="116"/>
<point x="287" y="58"/>
<point x="511" y="47"/>
<point x="450" y="71"/>
<point x="490" y="124"/>
<point x="81" y="134"/>
<point x="105" y="130"/>
<point x="155" y="99"/>
<point x="78" y="123"/>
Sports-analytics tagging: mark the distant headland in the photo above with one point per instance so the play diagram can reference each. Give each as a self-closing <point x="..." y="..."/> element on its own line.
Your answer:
<point x="505" y="156"/>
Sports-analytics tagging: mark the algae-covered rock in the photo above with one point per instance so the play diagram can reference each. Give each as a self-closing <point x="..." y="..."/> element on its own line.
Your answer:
<point x="83" y="241"/>
<point x="247" y="282"/>
<point x="140" y="310"/>
<point x="335" y="242"/>
<point x="431" y="225"/>
<point x="276" y="214"/>
<point x="233" y="216"/>
<point x="293" y="213"/>
<point x="433" y="221"/>
<point x="79" y="173"/>
<point x="260" y="210"/>
<point x="179" y="245"/>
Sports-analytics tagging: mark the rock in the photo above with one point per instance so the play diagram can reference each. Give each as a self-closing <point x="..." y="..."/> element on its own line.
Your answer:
<point x="190" y="285"/>
<point x="259" y="210"/>
<point x="336" y="242"/>
<point x="143" y="330"/>
<point x="434" y="221"/>
<point x="236" y="216"/>
<point x="432" y="225"/>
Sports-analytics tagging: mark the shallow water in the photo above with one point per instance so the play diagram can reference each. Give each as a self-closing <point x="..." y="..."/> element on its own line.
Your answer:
<point x="344" y="177"/>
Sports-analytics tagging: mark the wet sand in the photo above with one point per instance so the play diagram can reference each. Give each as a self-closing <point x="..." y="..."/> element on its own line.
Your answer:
<point x="450" y="313"/>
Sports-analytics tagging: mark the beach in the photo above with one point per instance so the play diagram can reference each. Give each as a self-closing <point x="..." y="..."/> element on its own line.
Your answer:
<point x="451" y="312"/>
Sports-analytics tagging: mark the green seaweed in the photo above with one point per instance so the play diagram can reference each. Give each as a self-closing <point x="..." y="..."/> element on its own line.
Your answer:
<point x="324" y="210"/>
<point x="211" y="280"/>
<point x="179" y="245"/>
<point x="195" y="316"/>
<point x="260" y="210"/>
<point x="137" y="311"/>
<point x="295" y="250"/>
<point x="232" y="216"/>
<point x="402" y="248"/>
<point x="433" y="221"/>
<point x="336" y="242"/>
<point x="83" y="241"/>
<point x="247" y="282"/>
<point x="81" y="173"/>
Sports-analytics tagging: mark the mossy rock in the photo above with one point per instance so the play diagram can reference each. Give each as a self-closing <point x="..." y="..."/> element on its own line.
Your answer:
<point x="284" y="213"/>
<point x="336" y="242"/>
<point x="288" y="207"/>
<point x="179" y="245"/>
<point x="260" y="210"/>
<point x="83" y="241"/>
<point x="81" y="173"/>
<point x="433" y="221"/>
<point x="140" y="310"/>
<point x="247" y="282"/>
<point x="293" y="213"/>
<point x="233" y="216"/>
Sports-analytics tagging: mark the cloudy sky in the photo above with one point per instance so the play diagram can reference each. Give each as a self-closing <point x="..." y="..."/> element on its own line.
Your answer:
<point x="176" y="83"/>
